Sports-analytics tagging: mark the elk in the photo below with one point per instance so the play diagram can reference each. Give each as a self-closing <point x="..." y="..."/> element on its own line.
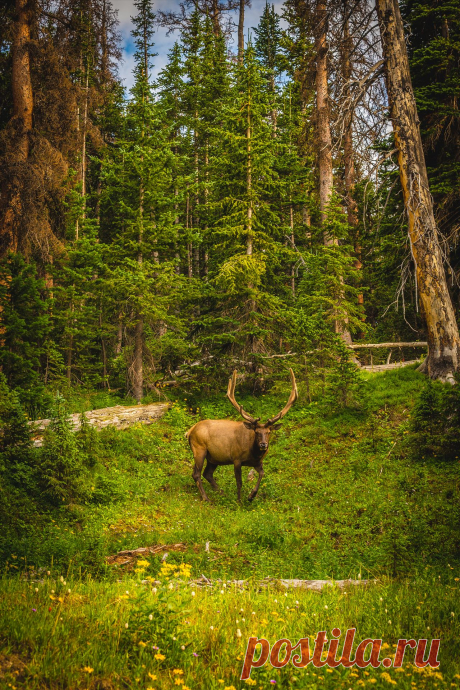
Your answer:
<point x="241" y="444"/>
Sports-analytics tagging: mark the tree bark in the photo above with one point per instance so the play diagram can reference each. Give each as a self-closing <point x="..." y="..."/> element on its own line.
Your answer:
<point x="21" y="124"/>
<point x="138" y="374"/>
<point x="241" y="33"/>
<point x="442" y="331"/>
<point x="323" y="125"/>
<point x="215" y="18"/>
<point x="249" y="246"/>
<point x="22" y="83"/>
<point x="349" y="172"/>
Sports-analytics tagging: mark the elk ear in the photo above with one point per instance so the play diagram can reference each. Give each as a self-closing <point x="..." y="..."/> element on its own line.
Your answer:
<point x="276" y="426"/>
<point x="250" y="425"/>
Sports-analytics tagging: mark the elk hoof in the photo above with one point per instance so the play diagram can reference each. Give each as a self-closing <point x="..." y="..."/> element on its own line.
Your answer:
<point x="251" y="497"/>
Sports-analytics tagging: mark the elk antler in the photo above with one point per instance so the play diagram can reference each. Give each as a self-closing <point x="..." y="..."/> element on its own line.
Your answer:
<point x="231" y="397"/>
<point x="292" y="398"/>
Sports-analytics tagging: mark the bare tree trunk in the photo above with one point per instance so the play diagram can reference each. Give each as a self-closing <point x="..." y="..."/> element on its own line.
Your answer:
<point x="249" y="246"/>
<point x="352" y="206"/>
<point x="22" y="83"/>
<point x="215" y="17"/>
<point x="119" y="344"/>
<point x="70" y="348"/>
<point x="138" y="374"/>
<point x="323" y="125"/>
<point x="241" y="33"/>
<point x="10" y="208"/>
<point x="103" y="350"/>
<point x="291" y="224"/>
<point x="83" y="146"/>
<point x="442" y="331"/>
<point x="189" y="244"/>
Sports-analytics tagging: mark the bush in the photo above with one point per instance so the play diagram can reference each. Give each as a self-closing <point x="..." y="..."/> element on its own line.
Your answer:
<point x="435" y="422"/>
<point x="63" y="475"/>
<point x="16" y="452"/>
<point x="344" y="382"/>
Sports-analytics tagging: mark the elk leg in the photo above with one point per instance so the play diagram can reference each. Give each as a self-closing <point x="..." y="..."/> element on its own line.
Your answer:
<point x="209" y="475"/>
<point x="199" y="454"/>
<point x="261" y="472"/>
<point x="239" y="481"/>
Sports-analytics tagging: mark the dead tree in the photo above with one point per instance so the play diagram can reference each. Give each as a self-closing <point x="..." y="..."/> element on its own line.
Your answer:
<point x="442" y="331"/>
<point x="20" y="127"/>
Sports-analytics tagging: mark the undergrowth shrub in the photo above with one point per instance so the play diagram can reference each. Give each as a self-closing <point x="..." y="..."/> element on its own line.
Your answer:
<point x="344" y="383"/>
<point x="435" y="422"/>
<point x="63" y="473"/>
<point x="16" y="453"/>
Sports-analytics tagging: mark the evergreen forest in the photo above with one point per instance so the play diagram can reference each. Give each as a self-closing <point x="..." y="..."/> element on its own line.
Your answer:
<point x="281" y="200"/>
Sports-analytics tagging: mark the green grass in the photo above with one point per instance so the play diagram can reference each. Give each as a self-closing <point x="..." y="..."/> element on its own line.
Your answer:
<point x="344" y="495"/>
<point x="55" y="630"/>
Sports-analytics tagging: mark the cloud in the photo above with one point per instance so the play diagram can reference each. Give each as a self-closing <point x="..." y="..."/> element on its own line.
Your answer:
<point x="164" y="43"/>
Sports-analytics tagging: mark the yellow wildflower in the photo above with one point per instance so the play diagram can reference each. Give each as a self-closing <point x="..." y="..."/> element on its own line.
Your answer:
<point x="152" y="676"/>
<point x="230" y="687"/>
<point x="143" y="564"/>
<point x="185" y="687"/>
<point x="88" y="669"/>
<point x="160" y="657"/>
<point x="178" y="671"/>
<point x="142" y="644"/>
<point x="386" y="676"/>
<point x="372" y="680"/>
<point x="179" y="681"/>
<point x="250" y="681"/>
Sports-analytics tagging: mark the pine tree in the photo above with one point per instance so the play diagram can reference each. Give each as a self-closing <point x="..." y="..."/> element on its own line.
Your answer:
<point x="267" y="47"/>
<point x="140" y="184"/>
<point x="246" y="233"/>
<point x="24" y="325"/>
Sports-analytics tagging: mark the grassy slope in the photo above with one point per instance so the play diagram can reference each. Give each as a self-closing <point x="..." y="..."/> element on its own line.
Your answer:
<point x="341" y="498"/>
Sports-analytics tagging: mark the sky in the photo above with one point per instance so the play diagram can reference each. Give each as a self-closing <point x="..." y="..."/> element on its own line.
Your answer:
<point x="164" y="43"/>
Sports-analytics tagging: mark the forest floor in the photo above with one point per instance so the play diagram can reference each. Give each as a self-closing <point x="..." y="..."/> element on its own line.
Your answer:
<point x="344" y="496"/>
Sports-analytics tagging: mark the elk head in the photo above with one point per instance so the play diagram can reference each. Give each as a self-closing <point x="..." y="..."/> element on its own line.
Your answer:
<point x="262" y="431"/>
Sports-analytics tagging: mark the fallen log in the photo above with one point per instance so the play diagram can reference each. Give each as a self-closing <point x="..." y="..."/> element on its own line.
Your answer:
<point x="314" y="585"/>
<point x="386" y="367"/>
<point x="128" y="556"/>
<point x="120" y="416"/>
<point x="364" y="346"/>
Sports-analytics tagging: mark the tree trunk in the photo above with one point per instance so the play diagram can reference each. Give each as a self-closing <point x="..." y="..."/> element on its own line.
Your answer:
<point x="215" y="18"/>
<point x="138" y="374"/>
<point x="349" y="172"/>
<point x="442" y="331"/>
<point x="22" y="84"/>
<point x="249" y="180"/>
<point x="11" y="206"/>
<point x="323" y="125"/>
<point x="119" y="342"/>
<point x="241" y="33"/>
<point x="291" y="224"/>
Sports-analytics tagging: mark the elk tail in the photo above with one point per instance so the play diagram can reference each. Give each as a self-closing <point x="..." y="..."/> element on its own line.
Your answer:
<point x="187" y="433"/>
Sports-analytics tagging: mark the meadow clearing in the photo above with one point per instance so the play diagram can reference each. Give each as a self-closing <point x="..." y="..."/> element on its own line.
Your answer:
<point x="345" y="495"/>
